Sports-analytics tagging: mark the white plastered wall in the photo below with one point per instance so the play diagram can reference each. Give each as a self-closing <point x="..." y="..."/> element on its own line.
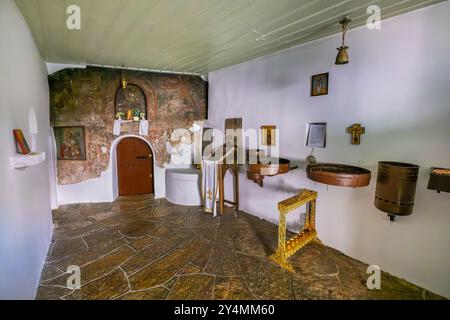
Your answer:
<point x="25" y="216"/>
<point x="397" y="86"/>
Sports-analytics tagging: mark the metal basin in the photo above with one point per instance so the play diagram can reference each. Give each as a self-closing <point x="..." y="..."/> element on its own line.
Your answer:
<point x="257" y="171"/>
<point x="338" y="175"/>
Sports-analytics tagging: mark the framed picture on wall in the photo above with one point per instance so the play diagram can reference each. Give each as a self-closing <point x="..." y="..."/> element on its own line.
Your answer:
<point x="317" y="135"/>
<point x="268" y="135"/>
<point x="319" y="84"/>
<point x="70" y="143"/>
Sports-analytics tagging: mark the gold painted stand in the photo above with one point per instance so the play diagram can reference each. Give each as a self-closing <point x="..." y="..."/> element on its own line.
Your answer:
<point x="288" y="248"/>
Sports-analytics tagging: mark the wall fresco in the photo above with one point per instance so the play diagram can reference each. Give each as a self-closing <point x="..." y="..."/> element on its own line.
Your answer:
<point x="131" y="97"/>
<point x="86" y="97"/>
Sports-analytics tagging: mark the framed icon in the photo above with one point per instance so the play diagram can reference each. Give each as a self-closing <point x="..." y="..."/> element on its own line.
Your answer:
<point x="319" y="84"/>
<point x="70" y="143"/>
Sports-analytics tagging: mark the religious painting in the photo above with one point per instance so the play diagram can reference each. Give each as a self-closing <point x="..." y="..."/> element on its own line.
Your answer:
<point x="319" y="84"/>
<point x="317" y="135"/>
<point x="131" y="100"/>
<point x="268" y="136"/>
<point x="177" y="99"/>
<point x="70" y="143"/>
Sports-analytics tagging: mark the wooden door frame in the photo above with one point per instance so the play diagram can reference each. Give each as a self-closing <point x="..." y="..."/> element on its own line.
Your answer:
<point x="113" y="155"/>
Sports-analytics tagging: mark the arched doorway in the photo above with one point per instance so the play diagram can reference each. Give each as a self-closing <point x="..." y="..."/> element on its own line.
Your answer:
<point x="134" y="167"/>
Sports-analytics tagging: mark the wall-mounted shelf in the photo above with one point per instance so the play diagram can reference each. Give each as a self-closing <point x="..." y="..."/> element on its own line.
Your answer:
<point x="26" y="160"/>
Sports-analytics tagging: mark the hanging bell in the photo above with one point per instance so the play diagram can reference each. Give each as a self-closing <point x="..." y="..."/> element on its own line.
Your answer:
<point x="123" y="80"/>
<point x="342" y="56"/>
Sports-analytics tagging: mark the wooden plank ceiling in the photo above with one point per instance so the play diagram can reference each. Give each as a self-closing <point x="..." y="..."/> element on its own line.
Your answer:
<point x="194" y="36"/>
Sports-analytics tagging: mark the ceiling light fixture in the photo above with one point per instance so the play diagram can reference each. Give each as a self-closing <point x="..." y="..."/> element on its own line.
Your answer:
<point x="342" y="56"/>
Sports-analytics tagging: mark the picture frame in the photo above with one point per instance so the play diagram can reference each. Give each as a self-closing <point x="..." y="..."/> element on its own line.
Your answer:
<point x="319" y="84"/>
<point x="70" y="143"/>
<point x="317" y="135"/>
<point x="268" y="135"/>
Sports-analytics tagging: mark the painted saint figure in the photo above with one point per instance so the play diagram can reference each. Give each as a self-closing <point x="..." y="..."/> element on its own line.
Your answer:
<point x="69" y="147"/>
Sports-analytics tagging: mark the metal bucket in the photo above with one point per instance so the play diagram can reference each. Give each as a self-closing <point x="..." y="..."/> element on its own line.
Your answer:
<point x="396" y="188"/>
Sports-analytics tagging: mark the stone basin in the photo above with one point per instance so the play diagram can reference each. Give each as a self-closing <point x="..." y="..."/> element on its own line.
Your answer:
<point x="257" y="171"/>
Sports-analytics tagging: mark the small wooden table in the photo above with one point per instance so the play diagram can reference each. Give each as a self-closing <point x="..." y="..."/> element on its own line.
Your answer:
<point x="288" y="248"/>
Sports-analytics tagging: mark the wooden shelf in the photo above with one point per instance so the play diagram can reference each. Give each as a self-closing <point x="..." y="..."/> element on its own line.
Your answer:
<point x="26" y="160"/>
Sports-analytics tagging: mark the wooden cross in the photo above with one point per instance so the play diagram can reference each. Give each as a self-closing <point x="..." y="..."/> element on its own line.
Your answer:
<point x="356" y="131"/>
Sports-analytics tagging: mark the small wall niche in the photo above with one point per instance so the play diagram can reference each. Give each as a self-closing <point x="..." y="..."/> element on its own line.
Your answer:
<point x="129" y="98"/>
<point x="33" y="128"/>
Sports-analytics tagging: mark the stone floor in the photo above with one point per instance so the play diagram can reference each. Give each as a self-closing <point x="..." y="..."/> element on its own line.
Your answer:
<point x="140" y="248"/>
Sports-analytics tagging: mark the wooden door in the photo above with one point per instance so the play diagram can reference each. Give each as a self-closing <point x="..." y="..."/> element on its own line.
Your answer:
<point x="134" y="167"/>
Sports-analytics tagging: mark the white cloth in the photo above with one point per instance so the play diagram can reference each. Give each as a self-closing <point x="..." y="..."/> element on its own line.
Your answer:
<point x="210" y="185"/>
<point x="143" y="127"/>
<point x="117" y="128"/>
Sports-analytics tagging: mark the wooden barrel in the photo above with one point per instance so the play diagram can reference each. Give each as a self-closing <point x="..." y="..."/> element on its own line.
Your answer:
<point x="396" y="187"/>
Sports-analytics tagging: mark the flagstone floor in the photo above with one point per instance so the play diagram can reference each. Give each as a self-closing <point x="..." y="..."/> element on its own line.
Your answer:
<point x="140" y="248"/>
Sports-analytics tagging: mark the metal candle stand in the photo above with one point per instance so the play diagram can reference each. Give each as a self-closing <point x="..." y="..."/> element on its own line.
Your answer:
<point x="288" y="248"/>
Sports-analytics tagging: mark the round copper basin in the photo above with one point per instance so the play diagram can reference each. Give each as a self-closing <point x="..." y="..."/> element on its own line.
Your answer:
<point x="257" y="171"/>
<point x="338" y="175"/>
<point x="275" y="167"/>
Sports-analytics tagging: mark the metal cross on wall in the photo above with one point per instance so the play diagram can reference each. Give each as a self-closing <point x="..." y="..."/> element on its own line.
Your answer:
<point x="356" y="130"/>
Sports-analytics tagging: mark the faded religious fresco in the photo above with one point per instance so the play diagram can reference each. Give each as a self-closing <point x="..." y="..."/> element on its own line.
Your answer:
<point x="131" y="97"/>
<point x="86" y="97"/>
